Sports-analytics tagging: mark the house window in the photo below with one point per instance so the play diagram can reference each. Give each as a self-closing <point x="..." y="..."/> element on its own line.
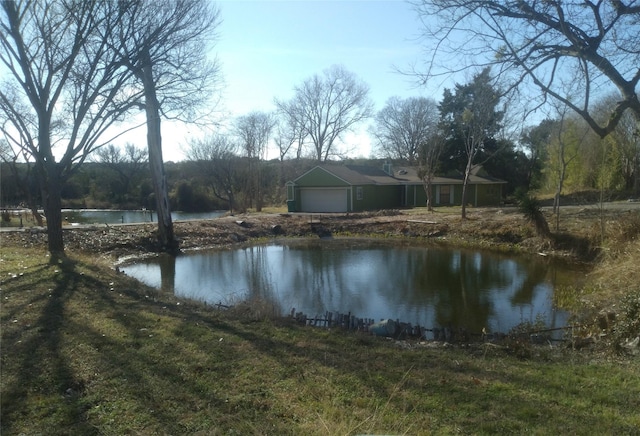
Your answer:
<point x="445" y="194"/>
<point x="290" y="196"/>
<point x="359" y="194"/>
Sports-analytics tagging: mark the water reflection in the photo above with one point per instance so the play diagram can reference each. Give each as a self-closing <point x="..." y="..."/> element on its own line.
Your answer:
<point x="425" y="285"/>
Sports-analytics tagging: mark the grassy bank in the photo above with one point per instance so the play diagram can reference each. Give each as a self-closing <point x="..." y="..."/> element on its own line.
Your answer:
<point x="88" y="351"/>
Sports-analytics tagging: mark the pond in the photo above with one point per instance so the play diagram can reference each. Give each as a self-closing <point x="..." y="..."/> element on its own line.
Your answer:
<point x="371" y="279"/>
<point x="103" y="216"/>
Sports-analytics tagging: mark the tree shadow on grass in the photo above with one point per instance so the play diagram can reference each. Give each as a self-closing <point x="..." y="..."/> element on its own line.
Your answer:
<point x="101" y="356"/>
<point x="42" y="372"/>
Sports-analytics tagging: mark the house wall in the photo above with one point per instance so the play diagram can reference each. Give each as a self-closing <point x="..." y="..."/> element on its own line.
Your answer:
<point x="416" y="197"/>
<point x="376" y="197"/>
<point x="316" y="178"/>
<point x="477" y="195"/>
<point x="489" y="195"/>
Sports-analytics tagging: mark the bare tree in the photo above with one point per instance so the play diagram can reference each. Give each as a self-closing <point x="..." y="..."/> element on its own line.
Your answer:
<point x="127" y="162"/>
<point x="289" y="133"/>
<point x="327" y="107"/>
<point x="403" y="126"/>
<point x="571" y="51"/>
<point x="62" y="90"/>
<point x="164" y="44"/>
<point x="428" y="162"/>
<point x="564" y="149"/>
<point x="216" y="156"/>
<point x="254" y="131"/>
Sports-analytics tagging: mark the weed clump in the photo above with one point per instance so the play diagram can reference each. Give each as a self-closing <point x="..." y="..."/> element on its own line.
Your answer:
<point x="532" y="211"/>
<point x="626" y="330"/>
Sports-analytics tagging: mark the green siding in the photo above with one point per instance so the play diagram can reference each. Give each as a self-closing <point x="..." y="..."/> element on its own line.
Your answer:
<point x="376" y="197"/>
<point x="318" y="177"/>
<point x="420" y="197"/>
<point x="489" y="195"/>
<point x="457" y="195"/>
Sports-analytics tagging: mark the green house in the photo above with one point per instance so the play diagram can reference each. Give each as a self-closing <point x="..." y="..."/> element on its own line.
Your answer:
<point x="482" y="189"/>
<point x="357" y="188"/>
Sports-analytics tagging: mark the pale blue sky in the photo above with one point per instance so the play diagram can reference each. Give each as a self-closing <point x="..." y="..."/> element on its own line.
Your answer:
<point x="266" y="47"/>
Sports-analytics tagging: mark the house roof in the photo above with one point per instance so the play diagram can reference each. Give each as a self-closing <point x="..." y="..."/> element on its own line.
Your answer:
<point x="357" y="174"/>
<point x="478" y="176"/>
<point x="368" y="175"/>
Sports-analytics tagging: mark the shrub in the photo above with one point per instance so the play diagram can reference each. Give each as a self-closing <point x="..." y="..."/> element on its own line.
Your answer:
<point x="530" y="208"/>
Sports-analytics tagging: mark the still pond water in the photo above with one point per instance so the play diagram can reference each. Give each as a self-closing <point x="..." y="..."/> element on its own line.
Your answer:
<point x="371" y="279"/>
<point x="102" y="216"/>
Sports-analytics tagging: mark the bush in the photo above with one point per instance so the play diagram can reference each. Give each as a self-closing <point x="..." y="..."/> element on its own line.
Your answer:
<point x="627" y="325"/>
<point x="190" y="199"/>
<point x="530" y="208"/>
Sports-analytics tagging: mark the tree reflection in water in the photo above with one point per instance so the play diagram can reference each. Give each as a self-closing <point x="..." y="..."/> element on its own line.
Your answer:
<point x="371" y="278"/>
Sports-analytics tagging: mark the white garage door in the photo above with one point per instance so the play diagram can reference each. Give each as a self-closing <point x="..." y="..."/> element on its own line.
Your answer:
<point x="324" y="200"/>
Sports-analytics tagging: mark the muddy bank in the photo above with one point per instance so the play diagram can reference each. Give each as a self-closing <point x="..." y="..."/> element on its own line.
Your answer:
<point x="500" y="229"/>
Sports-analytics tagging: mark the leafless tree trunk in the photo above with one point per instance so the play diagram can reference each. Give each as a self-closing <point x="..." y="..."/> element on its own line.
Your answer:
<point x="565" y="156"/>
<point x="166" y="237"/>
<point x="164" y="44"/>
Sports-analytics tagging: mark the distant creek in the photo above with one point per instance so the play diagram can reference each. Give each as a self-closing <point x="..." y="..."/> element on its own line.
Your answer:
<point x="104" y="216"/>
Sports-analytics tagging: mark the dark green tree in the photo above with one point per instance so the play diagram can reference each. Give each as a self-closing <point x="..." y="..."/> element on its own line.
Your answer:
<point x="534" y="142"/>
<point x="471" y="120"/>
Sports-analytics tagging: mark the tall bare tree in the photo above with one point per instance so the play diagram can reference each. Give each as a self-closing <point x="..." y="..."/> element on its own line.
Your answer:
<point x="164" y="44"/>
<point x="327" y="107"/>
<point x="254" y="131"/>
<point x="62" y="90"/>
<point x="571" y="52"/>
<point x="403" y="126"/>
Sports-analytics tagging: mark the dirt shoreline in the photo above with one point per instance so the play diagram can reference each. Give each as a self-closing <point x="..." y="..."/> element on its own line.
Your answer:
<point x="503" y="229"/>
